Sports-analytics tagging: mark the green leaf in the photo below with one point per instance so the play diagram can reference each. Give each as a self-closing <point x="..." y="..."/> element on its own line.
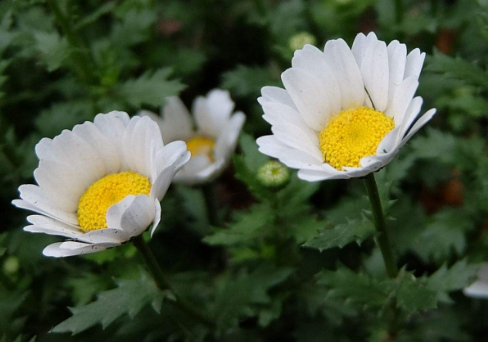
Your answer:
<point x="458" y="68"/>
<point x="247" y="81"/>
<point x="409" y="293"/>
<point x="134" y="27"/>
<point x="246" y="294"/>
<point x="457" y="277"/>
<point x="246" y="227"/>
<point x="128" y="298"/>
<point x="64" y="115"/>
<point x="342" y="234"/>
<point x="53" y="49"/>
<point x="150" y="88"/>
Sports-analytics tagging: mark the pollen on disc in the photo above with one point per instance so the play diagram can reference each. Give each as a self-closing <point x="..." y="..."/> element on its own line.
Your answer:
<point x="353" y="134"/>
<point x="107" y="191"/>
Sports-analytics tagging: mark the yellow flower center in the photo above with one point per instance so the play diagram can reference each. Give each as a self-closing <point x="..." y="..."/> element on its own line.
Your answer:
<point x="101" y="195"/>
<point x="201" y="145"/>
<point x="353" y="134"/>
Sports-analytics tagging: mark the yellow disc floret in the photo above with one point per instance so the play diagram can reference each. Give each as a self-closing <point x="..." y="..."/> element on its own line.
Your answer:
<point x="201" y="145"/>
<point x="101" y="195"/>
<point x="353" y="134"/>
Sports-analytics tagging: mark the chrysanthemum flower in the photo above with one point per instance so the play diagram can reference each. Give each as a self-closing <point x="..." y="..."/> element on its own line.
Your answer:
<point x="101" y="183"/>
<point x="345" y="112"/>
<point x="213" y="141"/>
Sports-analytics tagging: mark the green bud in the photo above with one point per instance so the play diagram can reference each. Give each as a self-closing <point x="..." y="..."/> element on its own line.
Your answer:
<point x="273" y="175"/>
<point x="299" y="40"/>
<point x="11" y="265"/>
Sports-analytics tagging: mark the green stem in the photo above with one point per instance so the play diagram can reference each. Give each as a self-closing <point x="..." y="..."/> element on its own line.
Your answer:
<point x="80" y="58"/>
<point x="399" y="11"/>
<point x="163" y="284"/>
<point x="379" y="222"/>
<point x="209" y="192"/>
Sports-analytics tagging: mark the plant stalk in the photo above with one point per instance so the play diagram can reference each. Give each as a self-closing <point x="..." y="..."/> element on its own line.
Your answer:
<point x="163" y="284"/>
<point x="380" y="224"/>
<point x="211" y="203"/>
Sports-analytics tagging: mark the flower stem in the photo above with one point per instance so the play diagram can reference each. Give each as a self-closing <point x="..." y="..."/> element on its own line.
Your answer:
<point x="211" y="202"/>
<point x="163" y="284"/>
<point x="399" y="11"/>
<point x="379" y="222"/>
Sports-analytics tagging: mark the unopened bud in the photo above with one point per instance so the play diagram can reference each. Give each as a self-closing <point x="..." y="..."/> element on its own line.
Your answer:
<point x="299" y="40"/>
<point x="273" y="175"/>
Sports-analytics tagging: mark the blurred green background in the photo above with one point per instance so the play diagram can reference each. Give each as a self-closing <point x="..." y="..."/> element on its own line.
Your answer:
<point x="62" y="62"/>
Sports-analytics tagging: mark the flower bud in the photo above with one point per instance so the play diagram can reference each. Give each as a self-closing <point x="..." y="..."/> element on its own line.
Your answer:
<point x="273" y="175"/>
<point x="299" y="40"/>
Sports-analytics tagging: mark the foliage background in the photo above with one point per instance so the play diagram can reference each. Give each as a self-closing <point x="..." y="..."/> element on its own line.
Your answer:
<point x="285" y="266"/>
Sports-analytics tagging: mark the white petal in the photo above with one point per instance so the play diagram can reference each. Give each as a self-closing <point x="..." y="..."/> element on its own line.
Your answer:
<point x="157" y="216"/>
<point x="411" y="114"/>
<point x="309" y="96"/>
<point x="403" y="96"/>
<point x="479" y="289"/>
<point x="133" y="214"/>
<point x="70" y="248"/>
<point x="276" y="95"/>
<point x="271" y="146"/>
<point x="227" y="140"/>
<point x="375" y="71"/>
<point x="415" y="61"/>
<point x="141" y="139"/>
<point x="213" y="112"/>
<point x="105" y="148"/>
<point x="418" y="125"/>
<point x="171" y="159"/>
<point x="34" y="199"/>
<point x="361" y="44"/>
<point x="317" y="176"/>
<point x="313" y="61"/>
<point x="107" y="235"/>
<point x="397" y="55"/>
<point x="340" y="58"/>
<point x="113" y="125"/>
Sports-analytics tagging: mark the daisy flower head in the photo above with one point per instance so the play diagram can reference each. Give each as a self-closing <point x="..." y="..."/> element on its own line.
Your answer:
<point x="100" y="184"/>
<point x="213" y="140"/>
<point x="345" y="112"/>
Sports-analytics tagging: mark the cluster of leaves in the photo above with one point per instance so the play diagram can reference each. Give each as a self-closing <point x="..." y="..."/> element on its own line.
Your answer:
<point x="298" y="263"/>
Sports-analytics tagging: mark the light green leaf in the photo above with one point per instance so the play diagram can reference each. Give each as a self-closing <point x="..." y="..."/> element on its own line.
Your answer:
<point x="53" y="49"/>
<point x="342" y="234"/>
<point x="247" y="81"/>
<point x="458" y="68"/>
<point x="457" y="277"/>
<point x="128" y="298"/>
<point x="150" y="88"/>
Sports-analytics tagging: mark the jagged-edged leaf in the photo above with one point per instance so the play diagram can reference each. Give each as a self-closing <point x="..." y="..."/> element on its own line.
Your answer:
<point x="53" y="49"/>
<point x="407" y="292"/>
<point x="245" y="227"/>
<point x="457" y="277"/>
<point x="247" y="81"/>
<point x="150" y="88"/>
<point x="127" y="299"/>
<point x="458" y="68"/>
<point x="356" y="230"/>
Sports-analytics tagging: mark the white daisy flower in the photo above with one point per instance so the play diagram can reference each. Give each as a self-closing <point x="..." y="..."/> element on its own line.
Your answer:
<point x="212" y="142"/>
<point x="479" y="289"/>
<point x="101" y="183"/>
<point x="345" y="112"/>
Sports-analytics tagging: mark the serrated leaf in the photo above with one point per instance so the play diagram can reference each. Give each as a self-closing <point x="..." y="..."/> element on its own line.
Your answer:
<point x="128" y="298"/>
<point x="246" y="226"/>
<point x="247" y="81"/>
<point x="150" y="88"/>
<point x="53" y="49"/>
<point x="457" y="277"/>
<point x="458" y="68"/>
<point x="406" y="291"/>
<point x="342" y="234"/>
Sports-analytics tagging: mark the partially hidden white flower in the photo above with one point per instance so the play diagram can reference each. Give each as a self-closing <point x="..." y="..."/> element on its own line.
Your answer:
<point x="346" y="112"/>
<point x="101" y="183"/>
<point x="212" y="142"/>
<point x="479" y="289"/>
